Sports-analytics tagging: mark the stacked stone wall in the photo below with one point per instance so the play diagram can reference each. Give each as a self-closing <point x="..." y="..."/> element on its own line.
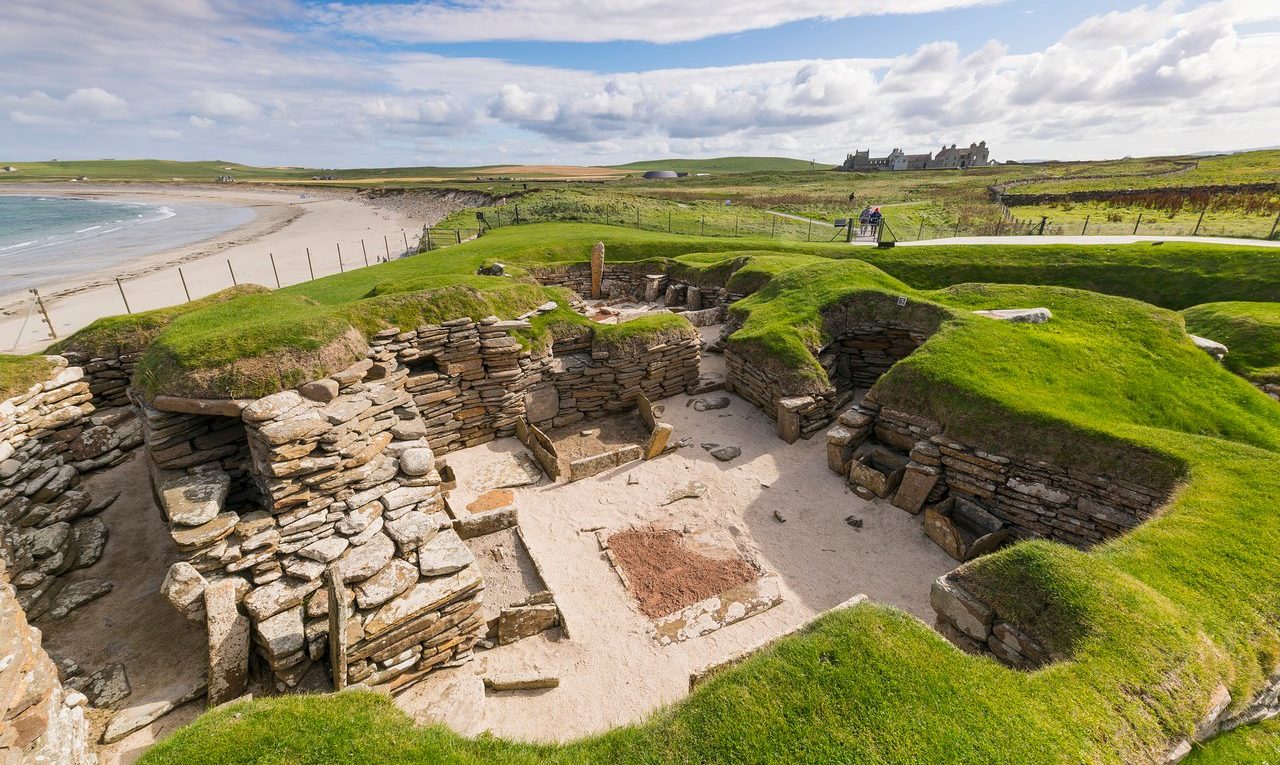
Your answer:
<point x="51" y="435"/>
<point x="348" y="495"/>
<point x="108" y="376"/>
<point x="859" y="358"/>
<point x="603" y="382"/>
<point x="40" y="721"/>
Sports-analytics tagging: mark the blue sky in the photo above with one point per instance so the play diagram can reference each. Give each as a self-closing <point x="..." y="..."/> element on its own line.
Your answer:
<point x="331" y="84"/>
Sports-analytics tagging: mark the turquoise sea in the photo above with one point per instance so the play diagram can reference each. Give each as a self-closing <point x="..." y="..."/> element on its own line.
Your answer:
<point x="45" y="240"/>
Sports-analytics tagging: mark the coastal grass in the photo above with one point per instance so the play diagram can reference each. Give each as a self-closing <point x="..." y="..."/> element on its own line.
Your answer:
<point x="1146" y="626"/>
<point x="1257" y="744"/>
<point x="18" y="373"/>
<point x="1251" y="332"/>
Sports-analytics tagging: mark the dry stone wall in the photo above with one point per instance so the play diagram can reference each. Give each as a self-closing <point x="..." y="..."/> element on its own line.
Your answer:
<point x="348" y="495"/>
<point x="108" y="376"/>
<point x="50" y="435"/>
<point x="312" y="520"/>
<point x="1035" y="498"/>
<point x="40" y="721"/>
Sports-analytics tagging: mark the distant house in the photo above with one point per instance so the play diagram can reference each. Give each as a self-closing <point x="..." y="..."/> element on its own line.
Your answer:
<point x="949" y="158"/>
<point x="226" y="179"/>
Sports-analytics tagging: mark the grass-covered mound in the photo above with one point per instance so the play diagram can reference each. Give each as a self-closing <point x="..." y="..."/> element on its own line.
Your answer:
<point x="130" y="333"/>
<point x="17" y="373"/>
<point x="1148" y="624"/>
<point x="1251" y="745"/>
<point x="1251" y="332"/>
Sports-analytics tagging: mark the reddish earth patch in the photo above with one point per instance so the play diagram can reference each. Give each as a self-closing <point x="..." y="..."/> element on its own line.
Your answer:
<point x="665" y="575"/>
<point x="492" y="500"/>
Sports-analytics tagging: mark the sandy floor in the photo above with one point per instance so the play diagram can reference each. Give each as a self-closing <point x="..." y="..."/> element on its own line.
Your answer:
<point x="163" y="654"/>
<point x="286" y="226"/>
<point x="611" y="670"/>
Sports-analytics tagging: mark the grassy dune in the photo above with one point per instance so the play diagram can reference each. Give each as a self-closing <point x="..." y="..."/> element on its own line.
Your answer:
<point x="1151" y="622"/>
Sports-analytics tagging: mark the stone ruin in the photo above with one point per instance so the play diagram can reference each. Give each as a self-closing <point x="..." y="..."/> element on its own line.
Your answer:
<point x="312" y="524"/>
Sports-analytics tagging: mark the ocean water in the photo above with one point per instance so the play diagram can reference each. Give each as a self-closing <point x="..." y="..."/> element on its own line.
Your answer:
<point x="45" y="241"/>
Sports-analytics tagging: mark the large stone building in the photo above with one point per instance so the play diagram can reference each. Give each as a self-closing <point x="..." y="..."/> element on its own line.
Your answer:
<point x="948" y="158"/>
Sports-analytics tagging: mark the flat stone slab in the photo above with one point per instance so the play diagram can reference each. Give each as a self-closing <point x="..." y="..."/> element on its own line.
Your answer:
<point x="136" y="718"/>
<point x="528" y="680"/>
<point x="707" y="616"/>
<point x="398" y="576"/>
<point x="1019" y="315"/>
<point x="444" y="553"/>
<point x="77" y="594"/>
<point x="1211" y="347"/>
<point x="193" y="500"/>
<point x="199" y="536"/>
<point x="508" y="471"/>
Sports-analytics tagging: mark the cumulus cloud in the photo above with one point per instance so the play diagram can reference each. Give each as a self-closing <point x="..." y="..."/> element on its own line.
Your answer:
<point x="222" y="105"/>
<point x="659" y="21"/>
<point x="78" y="106"/>
<point x="256" y="83"/>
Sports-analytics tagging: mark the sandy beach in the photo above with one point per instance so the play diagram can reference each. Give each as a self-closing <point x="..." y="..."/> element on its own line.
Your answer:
<point x="285" y="225"/>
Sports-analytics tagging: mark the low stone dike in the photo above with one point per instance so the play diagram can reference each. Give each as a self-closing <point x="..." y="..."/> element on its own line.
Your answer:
<point x="1122" y="196"/>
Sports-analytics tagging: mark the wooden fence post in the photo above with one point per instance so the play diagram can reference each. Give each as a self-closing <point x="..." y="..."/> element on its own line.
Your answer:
<point x="186" y="291"/>
<point x="45" y="313"/>
<point x="364" y="251"/>
<point x="1139" y="223"/>
<point x="1085" y="230"/>
<point x="341" y="270"/>
<point x="309" y="266"/>
<point x="233" y="273"/>
<point x="122" y="297"/>
<point x="274" y="272"/>
<point x="1197" y="229"/>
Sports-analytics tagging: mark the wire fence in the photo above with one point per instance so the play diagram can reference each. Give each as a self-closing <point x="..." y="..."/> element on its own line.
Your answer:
<point x="1021" y="223"/>
<point x="39" y="318"/>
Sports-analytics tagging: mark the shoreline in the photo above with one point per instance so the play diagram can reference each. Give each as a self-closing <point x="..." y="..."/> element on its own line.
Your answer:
<point x="292" y="238"/>
<point x="270" y="217"/>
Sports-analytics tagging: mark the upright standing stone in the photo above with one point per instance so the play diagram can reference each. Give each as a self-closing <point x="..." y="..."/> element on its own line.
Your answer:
<point x="597" y="268"/>
<point x="339" y="614"/>
<point x="228" y="642"/>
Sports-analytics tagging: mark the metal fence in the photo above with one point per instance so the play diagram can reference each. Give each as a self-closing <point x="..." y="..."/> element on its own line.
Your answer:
<point x="42" y="316"/>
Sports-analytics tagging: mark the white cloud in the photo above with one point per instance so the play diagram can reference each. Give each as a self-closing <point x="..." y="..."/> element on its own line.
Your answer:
<point x="659" y="21"/>
<point x="223" y="105"/>
<point x="1175" y="79"/>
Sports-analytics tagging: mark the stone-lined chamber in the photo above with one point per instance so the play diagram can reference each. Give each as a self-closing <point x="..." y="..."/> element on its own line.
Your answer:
<point x="313" y="522"/>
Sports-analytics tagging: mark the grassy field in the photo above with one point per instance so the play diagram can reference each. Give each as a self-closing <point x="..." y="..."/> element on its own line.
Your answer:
<point x="918" y="205"/>
<point x="17" y="373"/>
<point x="1251" y="332"/>
<point x="1150" y="623"/>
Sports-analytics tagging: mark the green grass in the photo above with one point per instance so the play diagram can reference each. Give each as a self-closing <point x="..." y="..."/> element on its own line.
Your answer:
<point x="1251" y="332"/>
<point x="1252" y="745"/>
<point x="1148" y="624"/>
<point x="282" y="336"/>
<point x="18" y="373"/>
<point x="1242" y="168"/>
